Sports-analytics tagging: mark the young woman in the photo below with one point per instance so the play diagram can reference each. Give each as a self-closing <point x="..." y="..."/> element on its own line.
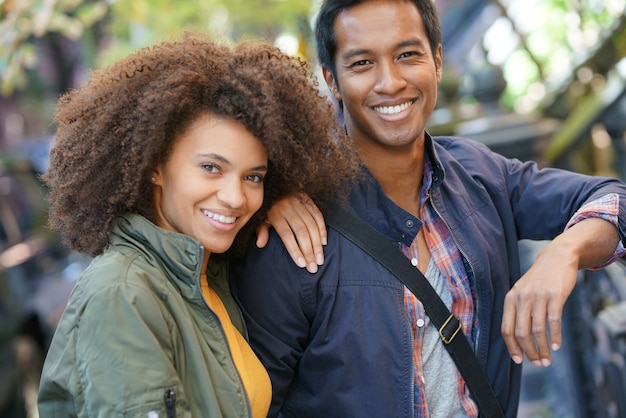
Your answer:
<point x="162" y="163"/>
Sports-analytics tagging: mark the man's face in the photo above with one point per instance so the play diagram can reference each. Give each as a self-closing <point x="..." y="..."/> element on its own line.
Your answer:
<point x="386" y="74"/>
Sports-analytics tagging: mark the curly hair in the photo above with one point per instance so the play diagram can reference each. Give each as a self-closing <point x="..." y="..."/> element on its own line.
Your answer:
<point x="114" y="130"/>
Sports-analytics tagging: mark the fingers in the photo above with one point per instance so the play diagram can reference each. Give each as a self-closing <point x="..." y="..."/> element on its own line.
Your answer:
<point x="301" y="227"/>
<point x="262" y="234"/>
<point x="540" y="349"/>
<point x="532" y="316"/>
<point x="531" y="324"/>
<point x="555" y="324"/>
<point x="317" y="231"/>
<point x="523" y="329"/>
<point x="508" y="326"/>
<point x="295" y="236"/>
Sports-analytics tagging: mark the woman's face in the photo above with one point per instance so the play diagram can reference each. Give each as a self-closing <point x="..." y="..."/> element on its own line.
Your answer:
<point x="212" y="182"/>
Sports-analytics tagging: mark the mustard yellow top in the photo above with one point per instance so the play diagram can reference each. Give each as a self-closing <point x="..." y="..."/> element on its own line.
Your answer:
<point x="255" y="379"/>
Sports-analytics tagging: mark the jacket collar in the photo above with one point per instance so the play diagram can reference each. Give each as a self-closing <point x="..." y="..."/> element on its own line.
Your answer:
<point x="180" y="255"/>
<point x="370" y="203"/>
<point x="438" y="171"/>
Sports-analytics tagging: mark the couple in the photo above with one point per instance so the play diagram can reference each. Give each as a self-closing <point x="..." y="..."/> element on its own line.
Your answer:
<point x="347" y="339"/>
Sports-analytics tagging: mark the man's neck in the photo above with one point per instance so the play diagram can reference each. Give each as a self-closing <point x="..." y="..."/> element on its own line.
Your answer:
<point x="399" y="174"/>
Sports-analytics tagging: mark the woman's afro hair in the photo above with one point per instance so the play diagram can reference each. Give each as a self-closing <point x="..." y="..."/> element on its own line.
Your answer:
<point x="118" y="127"/>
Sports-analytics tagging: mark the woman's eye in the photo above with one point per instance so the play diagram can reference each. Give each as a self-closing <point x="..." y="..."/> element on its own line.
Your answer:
<point x="211" y="168"/>
<point x="255" y="178"/>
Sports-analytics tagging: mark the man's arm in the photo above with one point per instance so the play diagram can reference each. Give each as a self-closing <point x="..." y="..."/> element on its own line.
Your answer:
<point x="533" y="307"/>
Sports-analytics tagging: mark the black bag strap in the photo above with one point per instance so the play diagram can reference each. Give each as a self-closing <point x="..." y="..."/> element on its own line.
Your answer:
<point x="378" y="247"/>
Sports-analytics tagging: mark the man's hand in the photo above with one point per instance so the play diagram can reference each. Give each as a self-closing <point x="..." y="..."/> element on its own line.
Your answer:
<point x="531" y="322"/>
<point x="300" y="225"/>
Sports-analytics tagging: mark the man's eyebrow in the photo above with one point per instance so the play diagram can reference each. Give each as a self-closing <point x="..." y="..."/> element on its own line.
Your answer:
<point x="412" y="42"/>
<point x="355" y="52"/>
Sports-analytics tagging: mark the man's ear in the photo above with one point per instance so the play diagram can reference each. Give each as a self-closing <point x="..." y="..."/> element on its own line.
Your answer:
<point x="439" y="62"/>
<point x="331" y="82"/>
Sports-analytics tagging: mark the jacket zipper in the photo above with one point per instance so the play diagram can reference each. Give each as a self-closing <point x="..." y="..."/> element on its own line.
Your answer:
<point x="170" y="403"/>
<point x="221" y="327"/>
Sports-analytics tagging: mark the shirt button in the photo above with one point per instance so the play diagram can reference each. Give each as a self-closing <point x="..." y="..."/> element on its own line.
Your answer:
<point x="409" y="224"/>
<point x="420" y="322"/>
<point x="414" y="261"/>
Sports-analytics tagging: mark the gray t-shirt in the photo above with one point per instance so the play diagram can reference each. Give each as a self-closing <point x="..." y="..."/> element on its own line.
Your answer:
<point x="440" y="373"/>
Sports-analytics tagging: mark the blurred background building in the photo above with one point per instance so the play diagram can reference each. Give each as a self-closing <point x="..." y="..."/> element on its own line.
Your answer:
<point x="532" y="79"/>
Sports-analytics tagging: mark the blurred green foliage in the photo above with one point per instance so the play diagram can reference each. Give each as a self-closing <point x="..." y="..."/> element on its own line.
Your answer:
<point x="136" y="23"/>
<point x="21" y="21"/>
<point x="48" y="46"/>
<point x="109" y="29"/>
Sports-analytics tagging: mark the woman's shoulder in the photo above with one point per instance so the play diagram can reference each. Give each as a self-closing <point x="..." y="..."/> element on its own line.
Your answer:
<point x="115" y="270"/>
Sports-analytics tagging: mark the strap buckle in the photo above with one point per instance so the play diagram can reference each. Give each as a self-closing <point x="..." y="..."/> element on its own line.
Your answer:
<point x="453" y="331"/>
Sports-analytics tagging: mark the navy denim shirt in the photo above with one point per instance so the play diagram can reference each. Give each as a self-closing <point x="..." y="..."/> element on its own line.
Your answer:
<point x="337" y="343"/>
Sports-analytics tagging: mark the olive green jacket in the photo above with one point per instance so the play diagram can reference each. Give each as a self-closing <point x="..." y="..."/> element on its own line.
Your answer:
<point x="138" y="340"/>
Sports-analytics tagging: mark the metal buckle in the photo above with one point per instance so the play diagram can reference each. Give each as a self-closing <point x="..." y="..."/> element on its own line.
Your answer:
<point x="445" y="339"/>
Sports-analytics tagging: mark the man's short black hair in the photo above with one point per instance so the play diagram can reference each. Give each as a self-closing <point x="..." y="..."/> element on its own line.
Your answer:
<point x="325" y="34"/>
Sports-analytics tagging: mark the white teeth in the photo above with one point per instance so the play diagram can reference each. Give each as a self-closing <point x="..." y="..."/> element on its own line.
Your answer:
<point x="390" y="110"/>
<point x="220" y="218"/>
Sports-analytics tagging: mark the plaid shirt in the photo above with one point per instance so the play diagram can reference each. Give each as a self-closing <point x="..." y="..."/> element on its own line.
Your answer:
<point x="460" y="282"/>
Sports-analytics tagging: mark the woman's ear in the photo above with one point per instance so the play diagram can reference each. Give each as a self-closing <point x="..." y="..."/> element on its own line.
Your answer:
<point x="157" y="177"/>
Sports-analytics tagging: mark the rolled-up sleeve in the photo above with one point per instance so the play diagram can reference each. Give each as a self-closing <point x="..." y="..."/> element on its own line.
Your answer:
<point x="607" y="208"/>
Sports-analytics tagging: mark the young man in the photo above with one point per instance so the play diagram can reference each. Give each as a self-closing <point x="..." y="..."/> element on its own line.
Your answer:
<point x="351" y="340"/>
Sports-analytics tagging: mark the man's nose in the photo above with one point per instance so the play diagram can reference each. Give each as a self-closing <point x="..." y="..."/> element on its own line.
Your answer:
<point x="389" y="78"/>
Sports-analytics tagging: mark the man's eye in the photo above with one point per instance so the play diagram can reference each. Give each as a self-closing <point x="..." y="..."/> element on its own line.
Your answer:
<point x="414" y="55"/>
<point x="360" y="63"/>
